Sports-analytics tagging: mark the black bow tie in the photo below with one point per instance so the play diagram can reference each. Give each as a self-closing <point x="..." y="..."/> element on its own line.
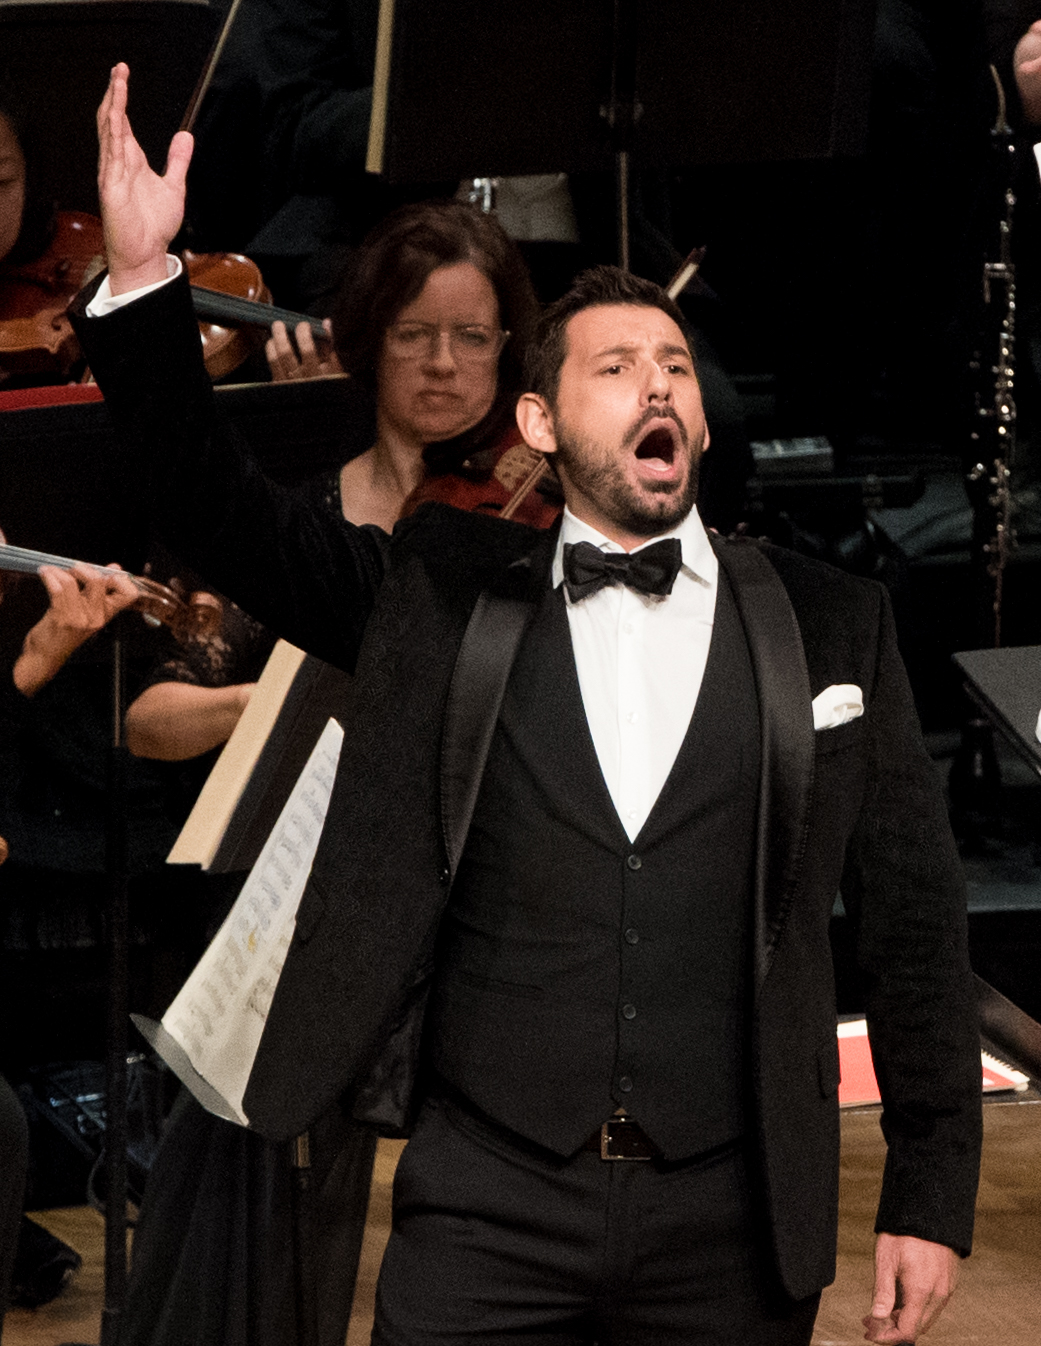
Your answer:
<point x="651" y="570"/>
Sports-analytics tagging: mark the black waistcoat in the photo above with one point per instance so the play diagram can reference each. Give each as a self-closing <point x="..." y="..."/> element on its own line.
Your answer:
<point x="578" y="970"/>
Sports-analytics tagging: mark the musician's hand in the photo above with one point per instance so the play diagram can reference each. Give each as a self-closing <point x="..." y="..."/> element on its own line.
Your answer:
<point x="82" y="602"/>
<point x="305" y="361"/>
<point x="141" y="210"/>
<point x="914" y="1279"/>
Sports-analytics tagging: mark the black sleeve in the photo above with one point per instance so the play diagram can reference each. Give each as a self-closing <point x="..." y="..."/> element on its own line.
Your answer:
<point x="904" y="891"/>
<point x="305" y="574"/>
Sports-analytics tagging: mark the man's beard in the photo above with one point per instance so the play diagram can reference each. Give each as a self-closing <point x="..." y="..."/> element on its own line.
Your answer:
<point x="599" y="476"/>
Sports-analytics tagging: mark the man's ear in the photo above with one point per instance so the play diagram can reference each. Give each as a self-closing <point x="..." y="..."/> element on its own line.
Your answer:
<point x="535" y="422"/>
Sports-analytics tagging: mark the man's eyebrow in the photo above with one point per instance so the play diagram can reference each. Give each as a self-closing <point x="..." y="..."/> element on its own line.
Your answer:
<point x="664" y="349"/>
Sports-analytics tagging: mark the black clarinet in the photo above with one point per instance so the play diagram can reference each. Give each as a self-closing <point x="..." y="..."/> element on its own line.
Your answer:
<point x="993" y="434"/>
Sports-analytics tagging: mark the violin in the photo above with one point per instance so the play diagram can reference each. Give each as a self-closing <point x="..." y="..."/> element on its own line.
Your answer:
<point x="230" y="297"/>
<point x="37" y="342"/>
<point x="500" y="481"/>
<point x="193" y="619"/>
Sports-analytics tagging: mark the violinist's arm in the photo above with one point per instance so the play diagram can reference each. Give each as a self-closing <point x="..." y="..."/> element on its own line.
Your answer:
<point x="173" y="721"/>
<point x="82" y="602"/>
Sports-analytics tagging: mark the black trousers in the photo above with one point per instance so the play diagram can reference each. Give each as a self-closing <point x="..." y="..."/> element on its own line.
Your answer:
<point x="495" y="1239"/>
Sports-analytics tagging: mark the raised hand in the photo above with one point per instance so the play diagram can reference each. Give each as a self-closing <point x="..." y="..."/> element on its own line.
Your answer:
<point x="141" y="211"/>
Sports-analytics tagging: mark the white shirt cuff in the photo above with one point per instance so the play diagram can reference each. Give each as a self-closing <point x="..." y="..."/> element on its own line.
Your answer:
<point x="106" y="302"/>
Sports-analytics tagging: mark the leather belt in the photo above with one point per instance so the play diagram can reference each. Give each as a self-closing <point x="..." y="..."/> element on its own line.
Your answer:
<point x="621" y="1138"/>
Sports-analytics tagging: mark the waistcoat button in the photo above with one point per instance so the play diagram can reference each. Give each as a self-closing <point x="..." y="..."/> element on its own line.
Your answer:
<point x="634" y="862"/>
<point x="625" y="1084"/>
<point x="632" y="936"/>
<point x="628" y="1011"/>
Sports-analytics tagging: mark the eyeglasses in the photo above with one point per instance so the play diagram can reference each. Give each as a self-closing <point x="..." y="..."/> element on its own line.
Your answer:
<point x="470" y="344"/>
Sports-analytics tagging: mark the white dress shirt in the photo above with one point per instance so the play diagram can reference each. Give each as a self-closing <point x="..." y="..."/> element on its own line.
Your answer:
<point x="105" y="301"/>
<point x="641" y="660"/>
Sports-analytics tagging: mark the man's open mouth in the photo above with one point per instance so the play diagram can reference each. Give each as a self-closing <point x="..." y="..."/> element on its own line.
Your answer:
<point x="658" y="446"/>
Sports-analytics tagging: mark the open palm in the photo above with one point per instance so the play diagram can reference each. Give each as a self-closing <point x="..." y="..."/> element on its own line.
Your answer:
<point x="141" y="210"/>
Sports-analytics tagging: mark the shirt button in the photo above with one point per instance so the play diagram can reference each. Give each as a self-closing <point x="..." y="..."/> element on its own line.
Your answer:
<point x="627" y="629"/>
<point x="625" y="1084"/>
<point x="632" y="936"/>
<point x="631" y="813"/>
<point x="632" y="717"/>
<point x="634" y="862"/>
<point x="628" y="1011"/>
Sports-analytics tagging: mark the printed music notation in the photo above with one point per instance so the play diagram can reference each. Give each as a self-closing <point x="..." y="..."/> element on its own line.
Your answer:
<point x="219" y="1014"/>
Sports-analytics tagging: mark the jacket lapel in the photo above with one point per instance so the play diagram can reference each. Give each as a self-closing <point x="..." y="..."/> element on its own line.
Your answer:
<point x="786" y="723"/>
<point x="490" y="643"/>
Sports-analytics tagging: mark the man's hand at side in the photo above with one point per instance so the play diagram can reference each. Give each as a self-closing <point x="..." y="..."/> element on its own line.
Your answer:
<point x="913" y="1281"/>
<point x="141" y="211"/>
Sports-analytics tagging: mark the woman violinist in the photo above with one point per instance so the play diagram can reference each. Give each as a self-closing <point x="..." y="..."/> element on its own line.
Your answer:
<point x="432" y="317"/>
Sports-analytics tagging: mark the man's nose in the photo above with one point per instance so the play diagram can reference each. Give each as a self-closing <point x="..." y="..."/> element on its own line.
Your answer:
<point x="657" y="387"/>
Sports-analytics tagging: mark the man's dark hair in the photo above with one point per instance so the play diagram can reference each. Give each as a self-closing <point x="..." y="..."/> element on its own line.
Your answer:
<point x="596" y="288"/>
<point x="388" y="273"/>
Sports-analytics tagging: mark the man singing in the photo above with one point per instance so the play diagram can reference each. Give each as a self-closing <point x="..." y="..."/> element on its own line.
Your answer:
<point x="570" y="910"/>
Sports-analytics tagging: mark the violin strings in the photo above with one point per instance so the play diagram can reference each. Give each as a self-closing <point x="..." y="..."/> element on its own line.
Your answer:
<point x="24" y="561"/>
<point x="27" y="562"/>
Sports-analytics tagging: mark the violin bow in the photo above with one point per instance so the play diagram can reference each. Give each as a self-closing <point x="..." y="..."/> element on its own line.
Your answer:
<point x="688" y="270"/>
<point x="201" y="88"/>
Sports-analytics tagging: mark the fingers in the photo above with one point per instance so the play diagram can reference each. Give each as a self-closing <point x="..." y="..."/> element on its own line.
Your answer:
<point x="883" y="1299"/>
<point x="281" y="358"/>
<point x="119" y="590"/>
<point x="914" y="1279"/>
<point x="177" y="160"/>
<point x="112" y="118"/>
<point x="312" y="365"/>
<point x="302" y="360"/>
<point x="84" y="599"/>
<point x="61" y="587"/>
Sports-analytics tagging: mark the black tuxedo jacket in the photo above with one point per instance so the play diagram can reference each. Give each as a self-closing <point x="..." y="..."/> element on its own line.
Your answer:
<point x="429" y="622"/>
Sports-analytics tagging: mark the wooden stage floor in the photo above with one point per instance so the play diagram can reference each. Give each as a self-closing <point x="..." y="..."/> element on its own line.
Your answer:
<point x="998" y="1299"/>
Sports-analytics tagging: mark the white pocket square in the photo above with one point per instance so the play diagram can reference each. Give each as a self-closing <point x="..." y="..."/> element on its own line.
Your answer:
<point x="836" y="705"/>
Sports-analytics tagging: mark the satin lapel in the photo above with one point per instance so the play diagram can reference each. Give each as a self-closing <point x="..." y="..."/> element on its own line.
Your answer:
<point x="786" y="721"/>
<point x="490" y="643"/>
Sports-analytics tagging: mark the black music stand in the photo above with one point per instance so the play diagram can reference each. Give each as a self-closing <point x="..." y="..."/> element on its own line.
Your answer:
<point x="1006" y="686"/>
<point x="470" y="90"/>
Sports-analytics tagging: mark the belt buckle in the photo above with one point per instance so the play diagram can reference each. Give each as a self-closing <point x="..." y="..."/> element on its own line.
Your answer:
<point x="613" y="1134"/>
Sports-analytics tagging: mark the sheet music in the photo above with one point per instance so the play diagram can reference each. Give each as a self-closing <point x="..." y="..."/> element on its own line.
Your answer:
<point x="219" y="1014"/>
